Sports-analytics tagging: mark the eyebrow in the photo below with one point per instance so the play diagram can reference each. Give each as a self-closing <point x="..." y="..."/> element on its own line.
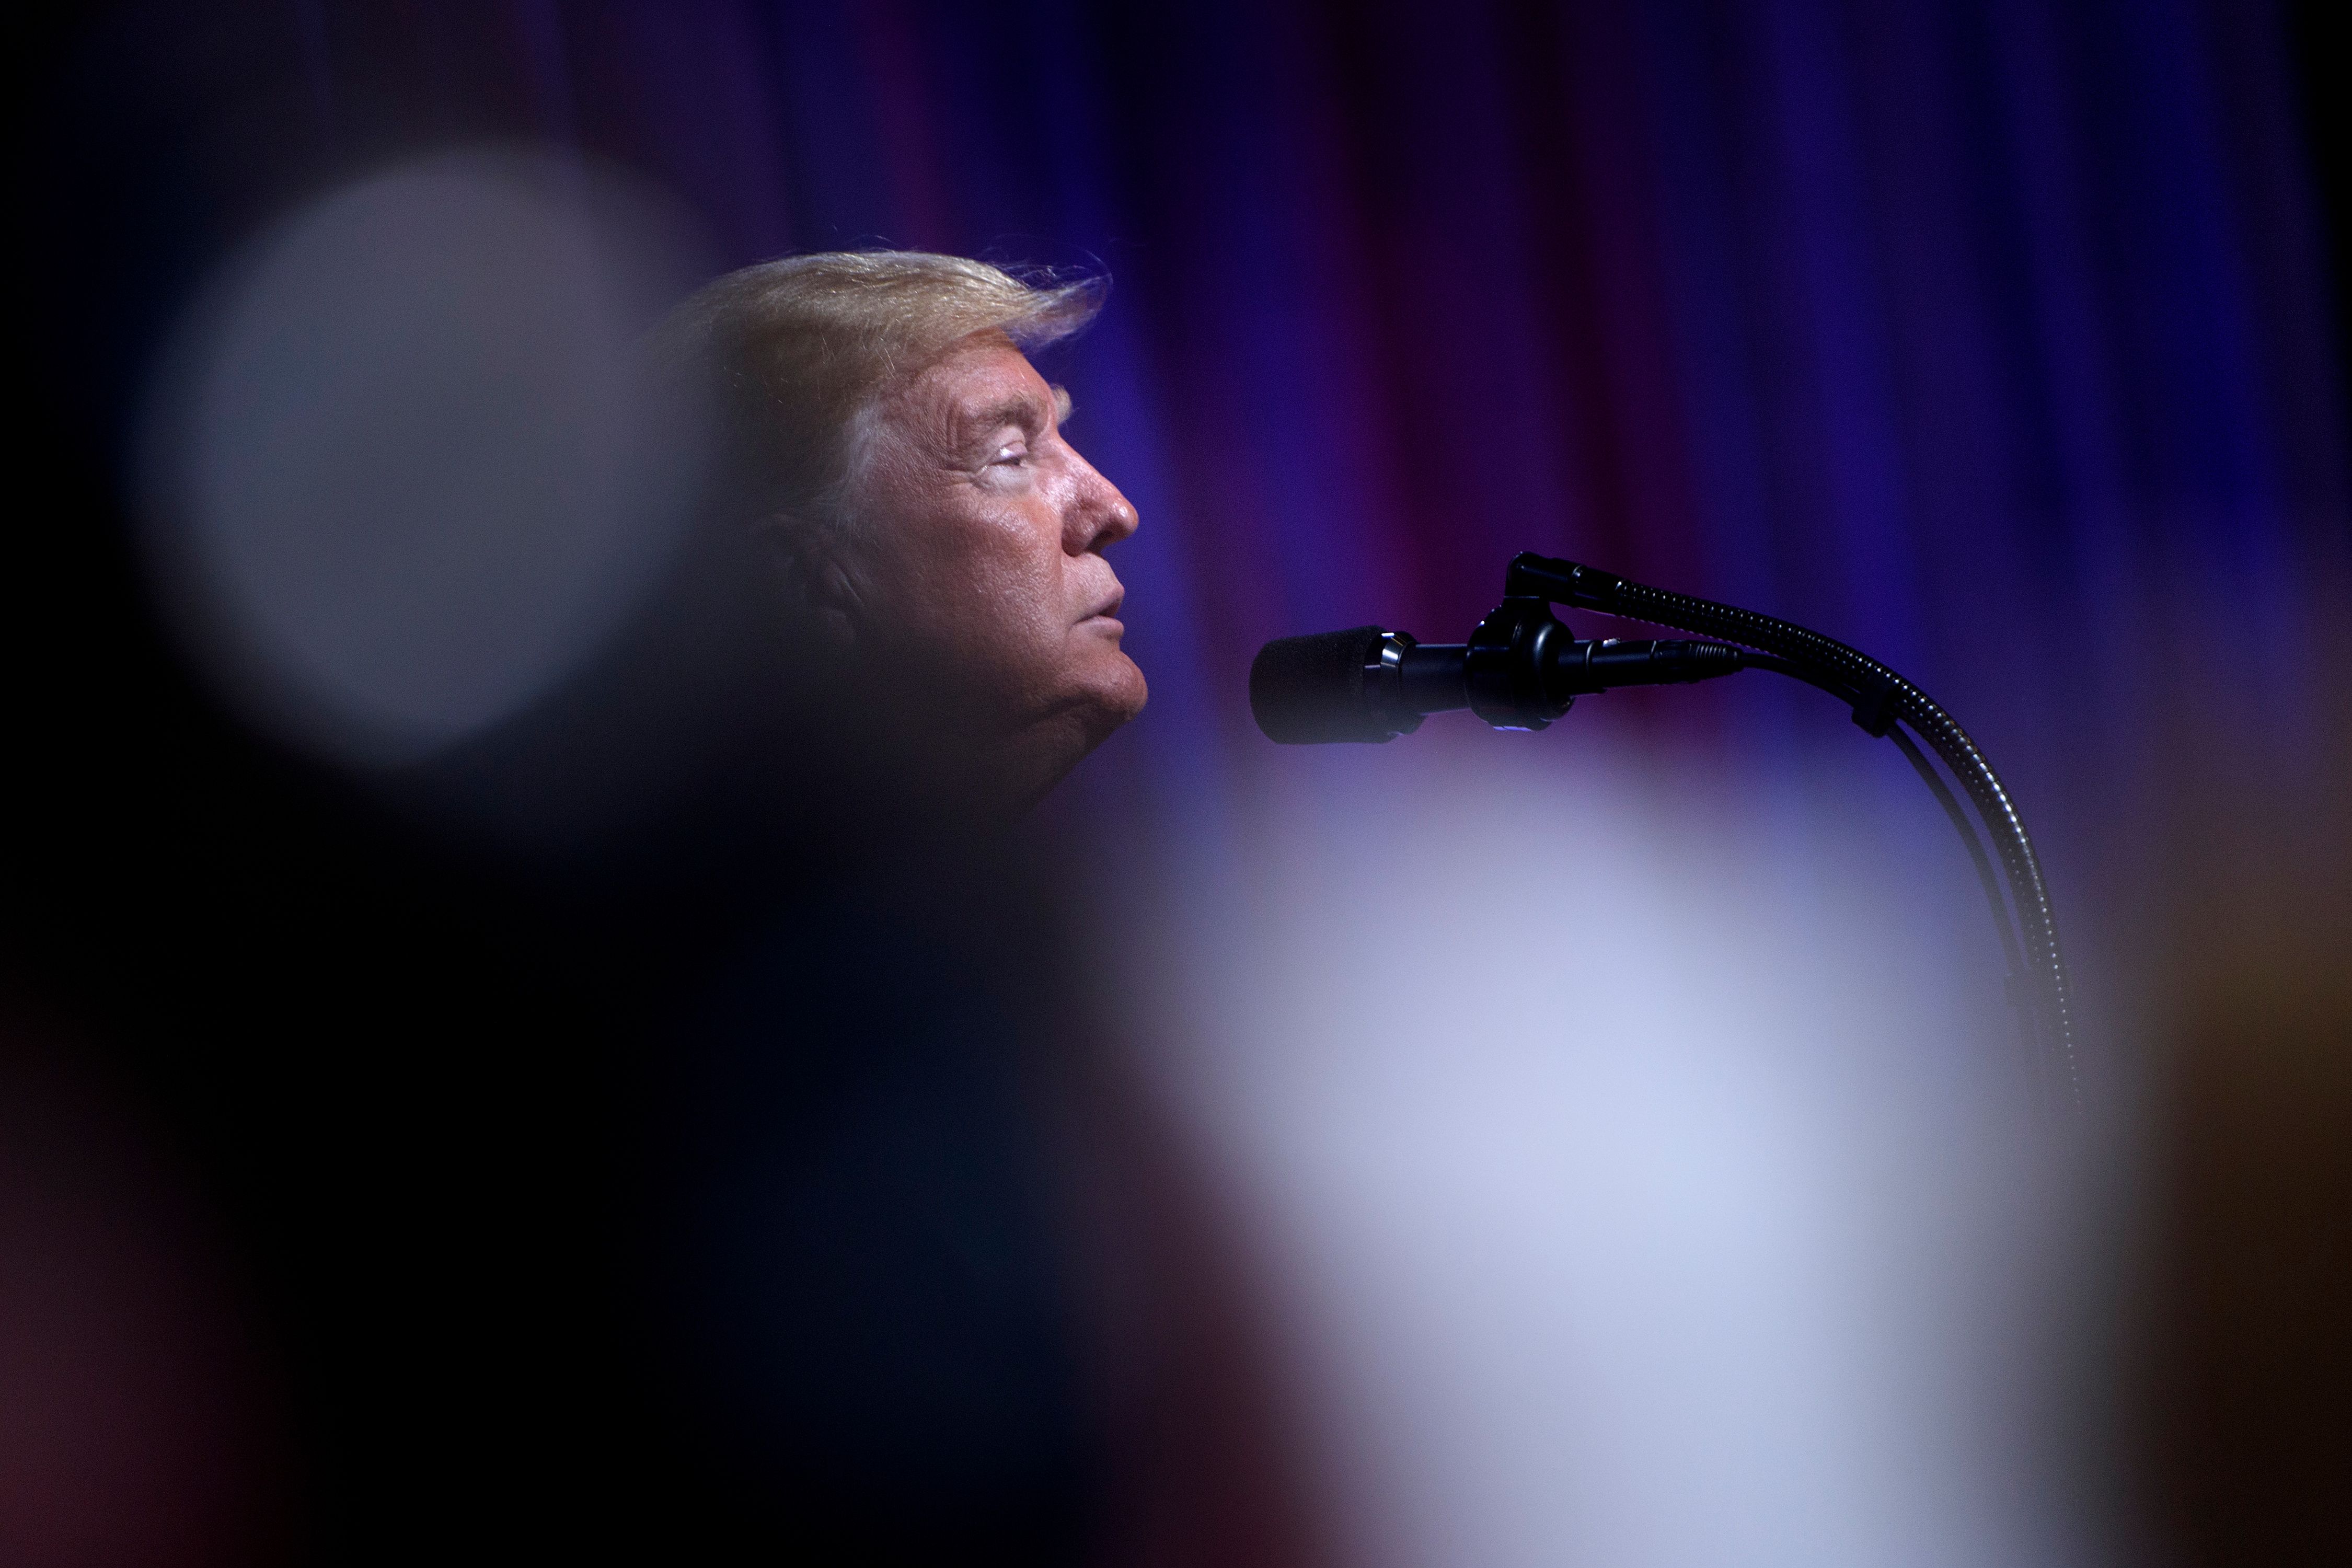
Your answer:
<point x="1016" y="410"/>
<point x="1021" y="411"/>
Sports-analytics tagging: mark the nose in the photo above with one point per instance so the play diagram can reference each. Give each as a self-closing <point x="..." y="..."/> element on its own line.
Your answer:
<point x="1099" y="516"/>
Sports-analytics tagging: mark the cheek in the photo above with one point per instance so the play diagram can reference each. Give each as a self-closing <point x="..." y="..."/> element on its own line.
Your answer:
<point x="997" y="584"/>
<point x="1022" y="560"/>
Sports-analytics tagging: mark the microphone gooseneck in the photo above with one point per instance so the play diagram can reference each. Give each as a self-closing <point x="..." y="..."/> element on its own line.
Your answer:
<point x="1522" y="668"/>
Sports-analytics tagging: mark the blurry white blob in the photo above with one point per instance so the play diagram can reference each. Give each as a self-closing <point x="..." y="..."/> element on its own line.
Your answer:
<point x="402" y="472"/>
<point x="1629" y="1195"/>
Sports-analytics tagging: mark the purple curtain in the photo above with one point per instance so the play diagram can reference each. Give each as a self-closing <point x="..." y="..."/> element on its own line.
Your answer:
<point x="1991" y="337"/>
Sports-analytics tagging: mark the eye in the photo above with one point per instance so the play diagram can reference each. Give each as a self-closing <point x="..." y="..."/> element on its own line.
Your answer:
<point x="1013" y="453"/>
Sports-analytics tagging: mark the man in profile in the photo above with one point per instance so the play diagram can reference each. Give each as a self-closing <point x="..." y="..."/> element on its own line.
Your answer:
<point x="936" y="541"/>
<point x="861" y="1263"/>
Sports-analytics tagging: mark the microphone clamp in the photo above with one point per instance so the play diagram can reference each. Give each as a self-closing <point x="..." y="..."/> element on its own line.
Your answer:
<point x="1506" y="672"/>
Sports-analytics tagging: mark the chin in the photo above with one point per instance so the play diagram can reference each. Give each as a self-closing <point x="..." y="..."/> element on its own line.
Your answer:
<point x="1121" y="693"/>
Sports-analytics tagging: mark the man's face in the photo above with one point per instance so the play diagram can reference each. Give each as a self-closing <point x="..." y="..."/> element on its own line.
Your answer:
<point x="976" y="567"/>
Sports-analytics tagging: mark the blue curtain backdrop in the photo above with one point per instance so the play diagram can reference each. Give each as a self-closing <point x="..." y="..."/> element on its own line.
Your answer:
<point x="1995" y="337"/>
<point x="1991" y="337"/>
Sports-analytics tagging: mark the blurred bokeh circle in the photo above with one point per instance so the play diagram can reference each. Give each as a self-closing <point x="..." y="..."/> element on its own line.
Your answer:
<point x="402" y="472"/>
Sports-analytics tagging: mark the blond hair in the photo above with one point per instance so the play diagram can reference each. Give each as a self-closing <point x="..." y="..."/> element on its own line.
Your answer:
<point x="788" y="353"/>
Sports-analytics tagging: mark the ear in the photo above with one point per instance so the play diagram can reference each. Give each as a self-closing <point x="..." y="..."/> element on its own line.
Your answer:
<point x="812" y="572"/>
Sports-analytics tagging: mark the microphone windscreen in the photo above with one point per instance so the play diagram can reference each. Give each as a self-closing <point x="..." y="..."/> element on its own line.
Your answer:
<point x="1306" y="691"/>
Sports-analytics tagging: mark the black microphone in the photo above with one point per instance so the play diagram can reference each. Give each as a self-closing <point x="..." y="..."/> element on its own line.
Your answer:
<point x="1520" y="670"/>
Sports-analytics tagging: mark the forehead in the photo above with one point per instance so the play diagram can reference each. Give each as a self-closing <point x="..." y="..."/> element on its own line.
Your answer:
<point x="980" y="378"/>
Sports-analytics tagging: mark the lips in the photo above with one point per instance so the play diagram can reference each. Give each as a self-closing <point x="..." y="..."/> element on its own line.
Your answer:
<point x="1108" y="608"/>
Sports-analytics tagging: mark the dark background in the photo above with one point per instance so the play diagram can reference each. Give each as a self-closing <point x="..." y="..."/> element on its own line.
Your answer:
<point x="2007" y="342"/>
